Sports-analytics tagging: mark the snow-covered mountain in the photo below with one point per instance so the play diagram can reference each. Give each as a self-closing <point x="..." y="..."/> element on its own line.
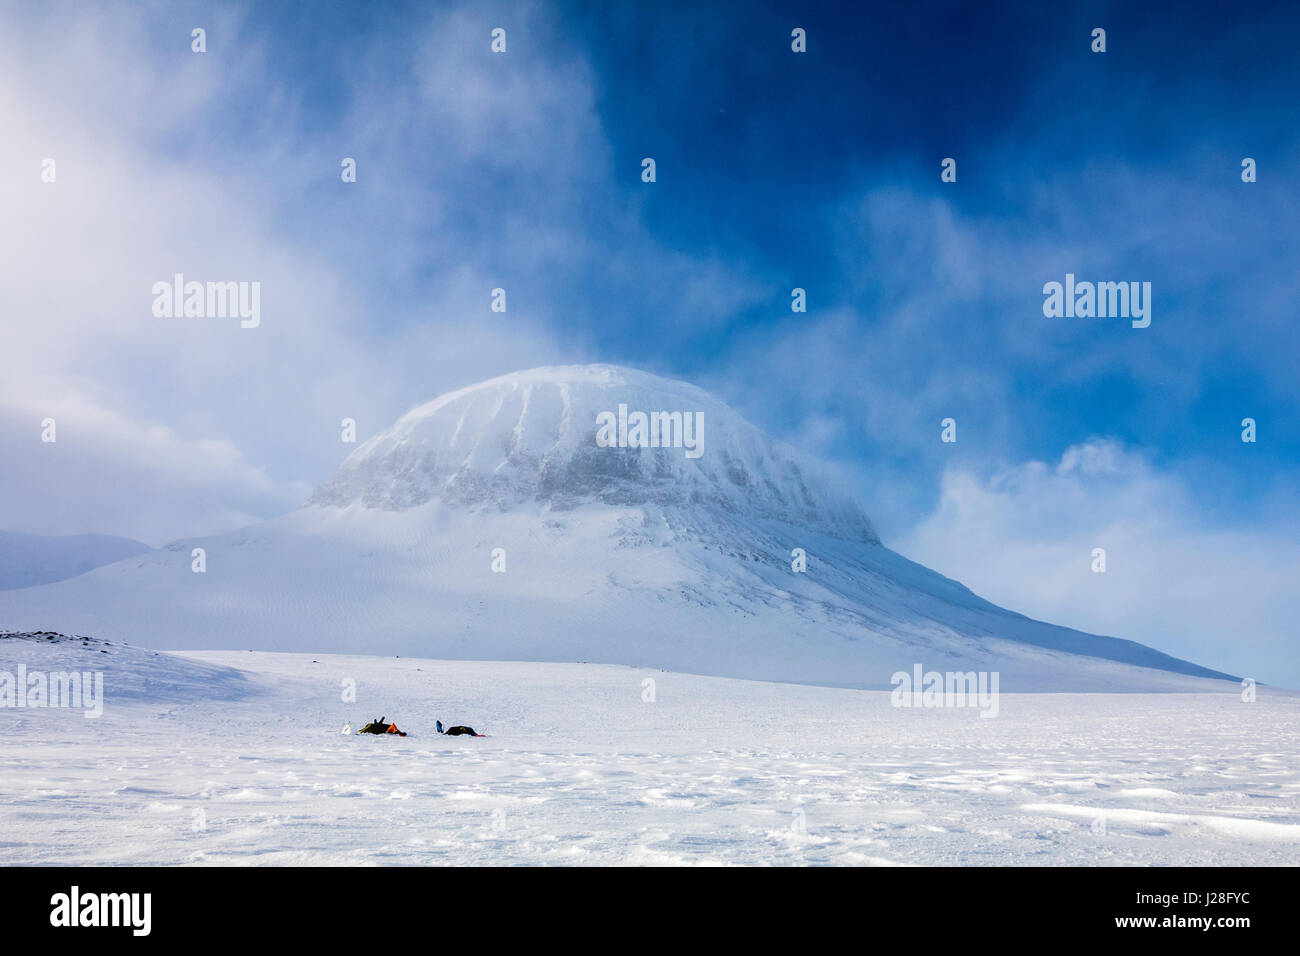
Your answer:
<point x="531" y="437"/>
<point x="493" y="523"/>
<point x="30" y="559"/>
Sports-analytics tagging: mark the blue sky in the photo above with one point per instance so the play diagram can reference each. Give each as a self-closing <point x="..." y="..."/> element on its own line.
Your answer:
<point x="775" y="170"/>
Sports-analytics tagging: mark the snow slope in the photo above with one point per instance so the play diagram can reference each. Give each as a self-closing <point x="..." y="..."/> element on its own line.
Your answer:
<point x="130" y="674"/>
<point x="27" y="560"/>
<point x="580" y="768"/>
<point x="613" y="555"/>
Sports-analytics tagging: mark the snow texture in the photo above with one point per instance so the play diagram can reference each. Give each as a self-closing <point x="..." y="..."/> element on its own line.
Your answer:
<point x="580" y="768"/>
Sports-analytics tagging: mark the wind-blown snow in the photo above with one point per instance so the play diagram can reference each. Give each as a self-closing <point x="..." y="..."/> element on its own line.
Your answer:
<point x="531" y="437"/>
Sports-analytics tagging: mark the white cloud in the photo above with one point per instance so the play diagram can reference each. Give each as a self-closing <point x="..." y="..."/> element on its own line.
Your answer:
<point x="160" y="170"/>
<point x="1023" y="538"/>
<point x="105" y="474"/>
<point x="474" y="171"/>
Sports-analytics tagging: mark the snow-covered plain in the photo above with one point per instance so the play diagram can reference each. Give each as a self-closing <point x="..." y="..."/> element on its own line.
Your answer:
<point x="237" y="758"/>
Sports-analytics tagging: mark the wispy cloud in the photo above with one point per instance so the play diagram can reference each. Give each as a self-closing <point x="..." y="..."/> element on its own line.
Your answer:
<point x="1218" y="593"/>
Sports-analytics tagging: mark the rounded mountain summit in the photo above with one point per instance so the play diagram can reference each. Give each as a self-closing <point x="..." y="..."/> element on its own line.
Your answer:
<point x="571" y="435"/>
